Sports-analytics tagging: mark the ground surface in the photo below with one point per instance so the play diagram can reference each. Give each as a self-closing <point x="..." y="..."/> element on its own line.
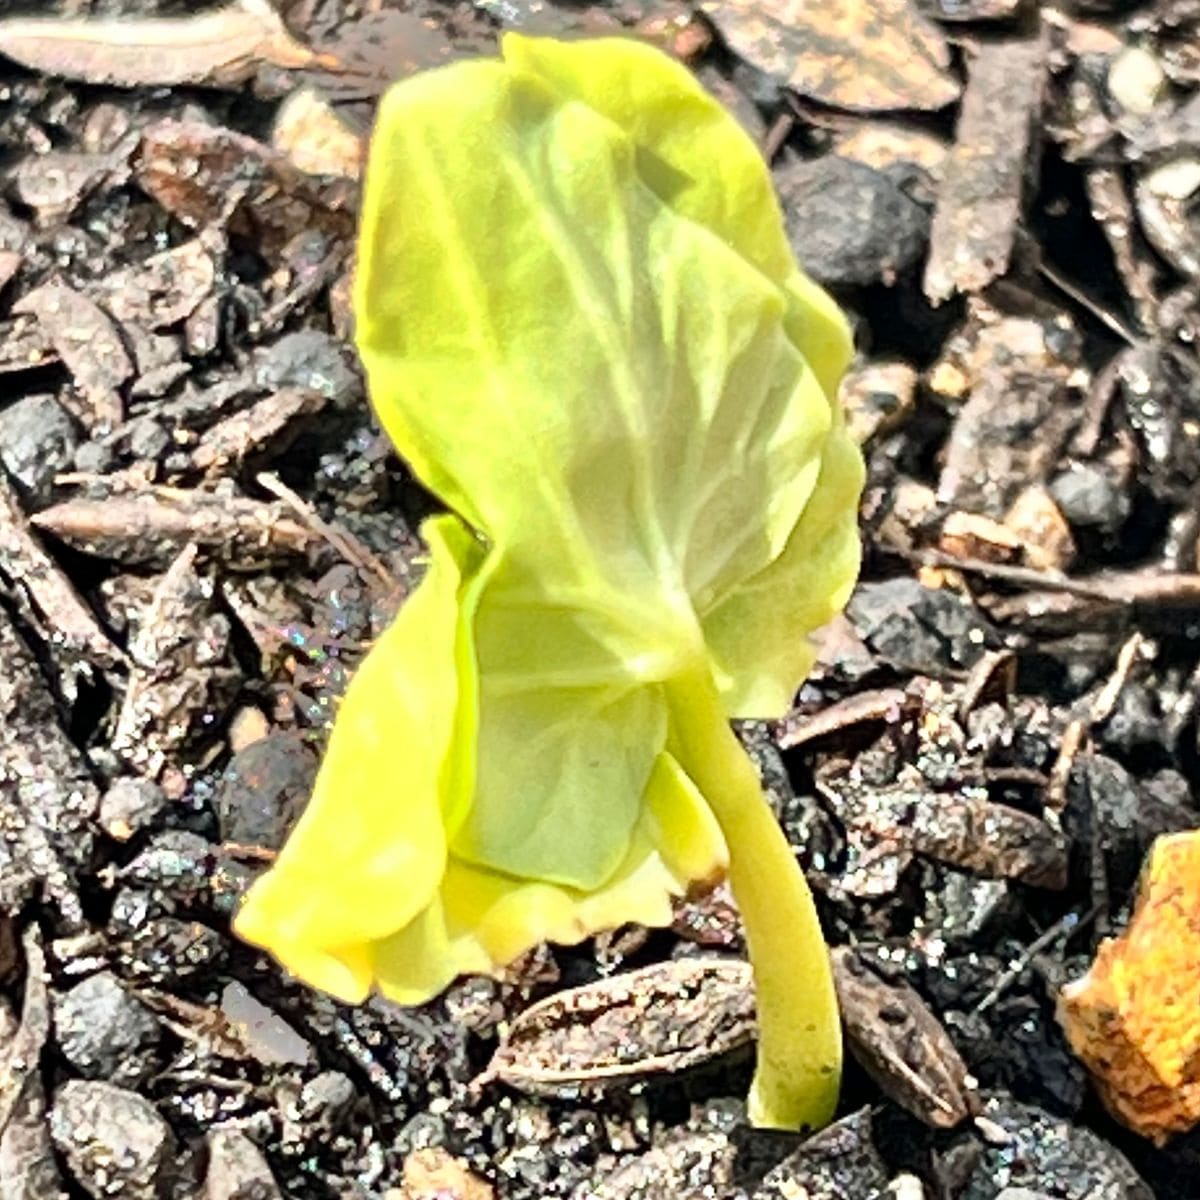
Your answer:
<point x="200" y="527"/>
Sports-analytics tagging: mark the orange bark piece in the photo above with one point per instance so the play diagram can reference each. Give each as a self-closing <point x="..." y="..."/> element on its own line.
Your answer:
<point x="1134" y="1018"/>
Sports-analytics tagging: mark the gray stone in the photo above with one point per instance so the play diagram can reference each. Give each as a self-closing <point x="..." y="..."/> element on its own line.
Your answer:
<point x="930" y="630"/>
<point x="312" y="360"/>
<point x="264" y="790"/>
<point x="148" y="439"/>
<point x="849" y="224"/>
<point x="94" y="458"/>
<point x="113" y="1141"/>
<point x="37" y="441"/>
<point x="1089" y="497"/>
<point x="175" y="861"/>
<point x="103" y="1031"/>
<point x="327" y="1099"/>
<point x="265" y="1034"/>
<point x="237" y="1169"/>
<point x="130" y="806"/>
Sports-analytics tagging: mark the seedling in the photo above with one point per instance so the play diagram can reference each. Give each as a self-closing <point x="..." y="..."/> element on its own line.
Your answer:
<point x="584" y="330"/>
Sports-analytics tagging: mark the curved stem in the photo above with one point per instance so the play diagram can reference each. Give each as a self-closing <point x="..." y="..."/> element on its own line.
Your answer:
<point x="799" y="1034"/>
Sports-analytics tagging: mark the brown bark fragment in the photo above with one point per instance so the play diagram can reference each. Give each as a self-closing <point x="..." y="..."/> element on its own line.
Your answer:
<point x="979" y="201"/>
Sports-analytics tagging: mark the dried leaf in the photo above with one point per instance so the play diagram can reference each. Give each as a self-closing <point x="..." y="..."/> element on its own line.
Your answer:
<point x="206" y="175"/>
<point x="221" y="48"/>
<point x="661" y="1019"/>
<point x="88" y="342"/>
<point x="243" y="433"/>
<point x="165" y="289"/>
<point x="26" y="565"/>
<point x="862" y="55"/>
<point x="1134" y="1018"/>
<point x="900" y="1043"/>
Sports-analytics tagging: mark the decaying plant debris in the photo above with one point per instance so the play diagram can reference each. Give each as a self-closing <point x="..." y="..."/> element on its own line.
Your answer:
<point x="200" y="530"/>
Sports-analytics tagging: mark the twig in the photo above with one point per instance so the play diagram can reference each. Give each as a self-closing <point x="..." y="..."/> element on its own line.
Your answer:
<point x="1116" y="587"/>
<point x="777" y="135"/>
<point x="1066" y="925"/>
<point x="1077" y="732"/>
<point x="346" y="544"/>
<point x="247" y="852"/>
<point x="1111" y="320"/>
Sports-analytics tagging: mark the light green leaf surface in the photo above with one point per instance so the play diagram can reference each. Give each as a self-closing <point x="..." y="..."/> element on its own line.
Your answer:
<point x="584" y="329"/>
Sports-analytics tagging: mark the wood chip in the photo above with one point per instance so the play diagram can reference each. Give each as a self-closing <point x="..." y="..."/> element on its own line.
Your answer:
<point x="970" y="535"/>
<point x="165" y="289"/>
<point x="48" y="798"/>
<point x="657" y="1020"/>
<point x="220" y="48"/>
<point x="10" y="263"/>
<point x="232" y="440"/>
<point x="862" y="55"/>
<point x="877" y="397"/>
<point x="54" y="184"/>
<point x="86" y="339"/>
<point x="979" y="200"/>
<point x="207" y="175"/>
<point x="1012" y="428"/>
<point x="20" y="1056"/>
<point x="881" y="145"/>
<point x="24" y="346"/>
<point x="26" y="566"/>
<point x="153" y="527"/>
<point x="934" y="802"/>
<point x="1045" y="536"/>
<point x="315" y="139"/>
<point x="900" y="1043"/>
<point x="180" y="656"/>
<point x="28" y="1165"/>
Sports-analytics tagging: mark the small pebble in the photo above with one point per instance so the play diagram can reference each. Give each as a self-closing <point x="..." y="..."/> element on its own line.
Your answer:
<point x="313" y="360"/>
<point x="327" y="1099"/>
<point x="38" y="440"/>
<point x="850" y="225"/>
<point x="104" y="1032"/>
<point x="267" y="1036"/>
<point x="237" y="1169"/>
<point x="264" y="790"/>
<point x="113" y="1141"/>
<point x="1089" y="498"/>
<point x="1137" y="81"/>
<point x="130" y="806"/>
